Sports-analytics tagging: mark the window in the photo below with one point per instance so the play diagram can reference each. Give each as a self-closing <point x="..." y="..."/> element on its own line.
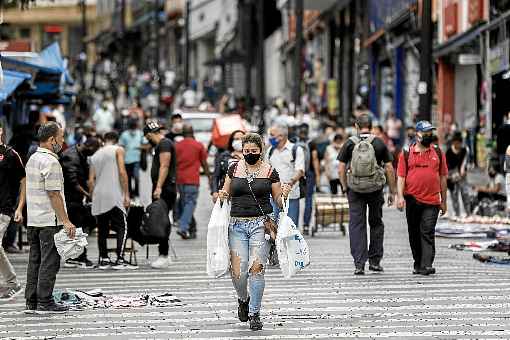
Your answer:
<point x="24" y="33"/>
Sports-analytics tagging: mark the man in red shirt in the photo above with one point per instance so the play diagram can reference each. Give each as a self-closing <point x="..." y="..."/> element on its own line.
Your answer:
<point x="422" y="173"/>
<point x="191" y="155"/>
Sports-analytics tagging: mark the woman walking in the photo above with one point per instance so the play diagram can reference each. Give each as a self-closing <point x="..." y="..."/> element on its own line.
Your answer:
<point x="249" y="184"/>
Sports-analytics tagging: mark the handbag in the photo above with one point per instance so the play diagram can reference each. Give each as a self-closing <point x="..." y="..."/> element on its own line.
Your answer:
<point x="270" y="226"/>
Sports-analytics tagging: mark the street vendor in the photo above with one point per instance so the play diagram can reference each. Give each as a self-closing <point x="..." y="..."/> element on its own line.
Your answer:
<point x="495" y="189"/>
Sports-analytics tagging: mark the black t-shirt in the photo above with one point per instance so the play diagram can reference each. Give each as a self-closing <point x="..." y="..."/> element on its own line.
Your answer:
<point x="382" y="154"/>
<point x="243" y="203"/>
<point x="454" y="160"/>
<point x="12" y="172"/>
<point x="165" y="145"/>
<point x="312" y="146"/>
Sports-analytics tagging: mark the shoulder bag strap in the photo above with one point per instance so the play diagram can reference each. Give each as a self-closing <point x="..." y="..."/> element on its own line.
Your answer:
<point x="255" y="198"/>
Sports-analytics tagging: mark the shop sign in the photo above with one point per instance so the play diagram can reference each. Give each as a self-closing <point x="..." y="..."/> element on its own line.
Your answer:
<point x="475" y="11"/>
<point x="451" y="19"/>
<point x="499" y="57"/>
<point x="469" y="59"/>
<point x="332" y="96"/>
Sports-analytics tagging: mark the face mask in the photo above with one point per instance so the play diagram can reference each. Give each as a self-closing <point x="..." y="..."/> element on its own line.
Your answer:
<point x="252" y="158"/>
<point x="426" y="141"/>
<point x="56" y="148"/>
<point x="273" y="141"/>
<point x="237" y="145"/>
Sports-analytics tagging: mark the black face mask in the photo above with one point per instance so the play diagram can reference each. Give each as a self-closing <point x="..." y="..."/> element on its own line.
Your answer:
<point x="426" y="141"/>
<point x="252" y="158"/>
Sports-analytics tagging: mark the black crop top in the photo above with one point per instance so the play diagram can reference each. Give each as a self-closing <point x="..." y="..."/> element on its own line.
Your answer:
<point x="243" y="203"/>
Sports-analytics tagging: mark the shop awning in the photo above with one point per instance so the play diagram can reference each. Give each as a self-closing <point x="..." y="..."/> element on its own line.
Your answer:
<point x="12" y="80"/>
<point x="453" y="44"/>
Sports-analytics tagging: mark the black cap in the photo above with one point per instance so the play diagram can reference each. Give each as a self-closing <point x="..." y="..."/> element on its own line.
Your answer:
<point x="151" y="126"/>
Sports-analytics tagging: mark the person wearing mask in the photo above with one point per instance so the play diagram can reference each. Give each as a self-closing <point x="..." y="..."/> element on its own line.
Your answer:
<point x="176" y="124"/>
<point x="456" y="159"/>
<point x="496" y="188"/>
<point x="332" y="163"/>
<point x="191" y="156"/>
<point x="422" y="191"/>
<point x="108" y="184"/>
<point x="365" y="167"/>
<point x="46" y="215"/>
<point x="163" y="176"/>
<point x="249" y="185"/>
<point x="132" y="140"/>
<point x="12" y="182"/>
<point x="289" y="161"/>
<point x="103" y="119"/>
<point x="410" y="136"/>
<point x="75" y="166"/>
<point x="223" y="160"/>
<point x="313" y="173"/>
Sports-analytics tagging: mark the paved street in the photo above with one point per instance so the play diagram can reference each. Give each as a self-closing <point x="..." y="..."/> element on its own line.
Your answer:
<point x="465" y="299"/>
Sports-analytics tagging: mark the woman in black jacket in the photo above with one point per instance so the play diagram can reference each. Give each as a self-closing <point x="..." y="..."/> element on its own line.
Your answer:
<point x="223" y="159"/>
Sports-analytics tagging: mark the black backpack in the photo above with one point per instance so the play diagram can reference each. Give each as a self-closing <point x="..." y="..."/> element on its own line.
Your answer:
<point x="155" y="221"/>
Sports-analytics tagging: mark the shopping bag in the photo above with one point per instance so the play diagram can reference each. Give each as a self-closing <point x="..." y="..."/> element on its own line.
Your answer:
<point x="69" y="248"/>
<point x="218" y="253"/>
<point x="293" y="251"/>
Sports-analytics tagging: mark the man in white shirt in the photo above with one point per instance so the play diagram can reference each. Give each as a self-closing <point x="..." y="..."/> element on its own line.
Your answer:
<point x="103" y="120"/>
<point x="289" y="161"/>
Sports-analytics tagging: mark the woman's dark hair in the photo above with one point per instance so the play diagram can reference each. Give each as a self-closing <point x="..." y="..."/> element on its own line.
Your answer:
<point x="231" y="139"/>
<point x="255" y="139"/>
<point x="47" y="130"/>
<point x="338" y="137"/>
<point x="457" y="137"/>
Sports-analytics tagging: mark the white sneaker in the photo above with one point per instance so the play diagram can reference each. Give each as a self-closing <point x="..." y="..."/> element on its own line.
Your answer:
<point x="161" y="262"/>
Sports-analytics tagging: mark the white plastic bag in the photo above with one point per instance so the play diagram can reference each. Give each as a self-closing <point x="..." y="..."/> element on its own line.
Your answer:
<point x="293" y="251"/>
<point x="218" y="253"/>
<point x="70" y="248"/>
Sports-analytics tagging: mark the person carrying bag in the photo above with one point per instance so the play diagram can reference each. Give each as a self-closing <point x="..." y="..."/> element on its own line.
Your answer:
<point x="249" y="184"/>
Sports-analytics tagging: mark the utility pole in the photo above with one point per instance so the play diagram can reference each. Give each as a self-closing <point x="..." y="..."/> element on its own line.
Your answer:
<point x="298" y="11"/>
<point x="425" y="84"/>
<point x="187" y="43"/>
<point x="260" y="55"/>
<point x="83" y="57"/>
<point x="156" y="52"/>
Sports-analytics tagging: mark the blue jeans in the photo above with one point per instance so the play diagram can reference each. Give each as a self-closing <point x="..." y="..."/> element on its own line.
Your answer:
<point x="188" y="195"/>
<point x="293" y="210"/>
<point x="249" y="252"/>
<point x="310" y="190"/>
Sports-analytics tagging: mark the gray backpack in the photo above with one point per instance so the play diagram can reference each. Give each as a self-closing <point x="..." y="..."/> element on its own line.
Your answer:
<point x="364" y="174"/>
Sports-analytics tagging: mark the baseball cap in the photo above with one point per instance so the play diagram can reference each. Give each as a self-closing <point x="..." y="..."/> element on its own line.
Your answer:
<point x="424" y="126"/>
<point x="152" y="126"/>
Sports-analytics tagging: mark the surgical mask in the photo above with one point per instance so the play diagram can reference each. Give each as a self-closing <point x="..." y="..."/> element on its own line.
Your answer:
<point x="273" y="141"/>
<point x="426" y="140"/>
<point x="237" y="145"/>
<point x="252" y="158"/>
<point x="56" y="147"/>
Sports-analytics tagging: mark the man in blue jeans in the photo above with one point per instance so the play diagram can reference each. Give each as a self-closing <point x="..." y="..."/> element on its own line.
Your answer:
<point x="289" y="161"/>
<point x="191" y="155"/>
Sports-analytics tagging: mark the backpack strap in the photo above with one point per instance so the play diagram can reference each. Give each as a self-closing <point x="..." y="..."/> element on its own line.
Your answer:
<point x="271" y="151"/>
<point x="294" y="152"/>
<point x="355" y="139"/>
<point x="439" y="155"/>
<point x="370" y="139"/>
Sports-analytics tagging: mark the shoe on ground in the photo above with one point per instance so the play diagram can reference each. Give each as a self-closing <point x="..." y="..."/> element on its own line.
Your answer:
<point x="83" y="264"/>
<point x="122" y="264"/>
<point x="427" y="271"/>
<point x="376" y="268"/>
<point x="13" y="250"/>
<point x="242" y="310"/>
<point x="161" y="262"/>
<point x="255" y="323"/>
<point x="51" y="308"/>
<point x="306" y="230"/>
<point x="185" y="235"/>
<point x="30" y="308"/>
<point x="104" y="263"/>
<point x="359" y="271"/>
<point x="11" y="292"/>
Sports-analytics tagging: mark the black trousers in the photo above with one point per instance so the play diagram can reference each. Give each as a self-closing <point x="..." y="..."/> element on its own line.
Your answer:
<point x="421" y="224"/>
<point x="114" y="219"/>
<point x="333" y="185"/>
<point x="132" y="171"/>
<point x="43" y="265"/>
<point x="169" y="197"/>
<point x="358" y="204"/>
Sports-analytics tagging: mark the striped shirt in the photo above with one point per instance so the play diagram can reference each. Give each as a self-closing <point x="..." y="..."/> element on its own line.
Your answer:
<point x="44" y="174"/>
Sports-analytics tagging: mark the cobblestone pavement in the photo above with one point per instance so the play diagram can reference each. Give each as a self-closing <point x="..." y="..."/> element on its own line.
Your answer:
<point x="465" y="300"/>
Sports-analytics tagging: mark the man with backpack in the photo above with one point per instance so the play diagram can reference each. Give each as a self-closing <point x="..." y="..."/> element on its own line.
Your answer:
<point x="365" y="167"/>
<point x="422" y="186"/>
<point x="289" y="160"/>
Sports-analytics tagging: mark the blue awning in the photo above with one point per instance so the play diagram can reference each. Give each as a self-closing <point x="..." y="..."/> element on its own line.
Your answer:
<point x="12" y="80"/>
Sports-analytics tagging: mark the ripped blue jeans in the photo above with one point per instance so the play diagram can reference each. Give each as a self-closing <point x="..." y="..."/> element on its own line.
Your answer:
<point x="248" y="256"/>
